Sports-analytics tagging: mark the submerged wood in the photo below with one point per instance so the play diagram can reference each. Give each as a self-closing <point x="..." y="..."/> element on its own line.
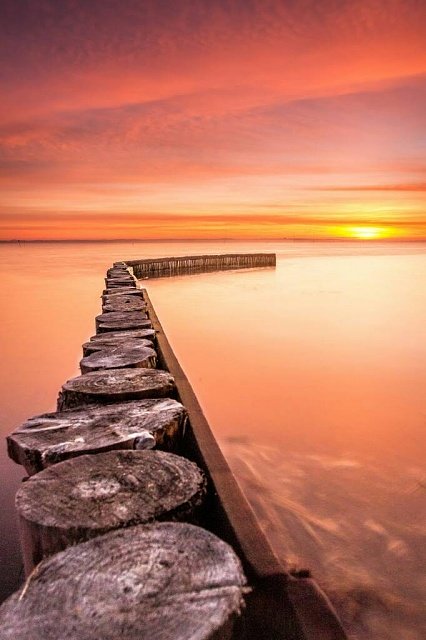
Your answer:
<point x="115" y="385"/>
<point x="123" y="303"/>
<point x="166" y="581"/>
<point x="99" y="345"/>
<point x="87" y="496"/>
<point x="120" y="357"/>
<point x="52" y="437"/>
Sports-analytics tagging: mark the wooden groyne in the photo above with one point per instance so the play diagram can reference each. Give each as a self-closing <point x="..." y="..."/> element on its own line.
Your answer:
<point x="132" y="524"/>
<point x="184" y="265"/>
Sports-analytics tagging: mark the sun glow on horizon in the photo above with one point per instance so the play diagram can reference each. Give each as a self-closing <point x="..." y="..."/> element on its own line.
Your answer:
<point x="134" y="120"/>
<point x="368" y="232"/>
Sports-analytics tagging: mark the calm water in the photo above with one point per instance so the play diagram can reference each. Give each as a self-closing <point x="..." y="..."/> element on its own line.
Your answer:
<point x="312" y="376"/>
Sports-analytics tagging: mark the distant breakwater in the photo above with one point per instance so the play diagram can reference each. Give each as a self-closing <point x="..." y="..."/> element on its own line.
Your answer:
<point x="173" y="266"/>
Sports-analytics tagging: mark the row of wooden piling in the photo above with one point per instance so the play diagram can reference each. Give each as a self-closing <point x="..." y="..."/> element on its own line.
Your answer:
<point x="165" y="267"/>
<point x="101" y="466"/>
<point x="112" y="514"/>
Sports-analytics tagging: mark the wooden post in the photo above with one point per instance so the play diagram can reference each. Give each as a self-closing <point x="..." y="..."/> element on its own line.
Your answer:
<point x="87" y="496"/>
<point x="123" y="356"/>
<point x="172" y="581"/>
<point x="126" y="291"/>
<point x="100" y="345"/>
<point x="115" y="385"/>
<point x="52" y="437"/>
<point x="117" y="321"/>
<point x="116" y="316"/>
<point x="129" y="295"/>
<point x="161" y="267"/>
<point x="123" y="303"/>
<point x="119" y="336"/>
<point x="112" y="283"/>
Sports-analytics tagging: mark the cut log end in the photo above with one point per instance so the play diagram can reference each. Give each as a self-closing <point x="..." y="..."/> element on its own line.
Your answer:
<point x="123" y="343"/>
<point x="122" y="291"/>
<point x="52" y="437"/>
<point x="112" y="336"/>
<point x="123" y="303"/>
<point x="119" y="317"/>
<point x="115" y="385"/>
<point x="167" y="581"/>
<point x="120" y="357"/>
<point x="121" y="321"/>
<point x="87" y="496"/>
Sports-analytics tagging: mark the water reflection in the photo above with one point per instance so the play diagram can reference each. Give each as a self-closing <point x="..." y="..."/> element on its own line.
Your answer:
<point x="316" y="368"/>
<point x="356" y="526"/>
<point x="311" y="375"/>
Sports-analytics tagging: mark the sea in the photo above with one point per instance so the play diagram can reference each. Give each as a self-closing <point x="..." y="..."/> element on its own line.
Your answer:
<point x="312" y="376"/>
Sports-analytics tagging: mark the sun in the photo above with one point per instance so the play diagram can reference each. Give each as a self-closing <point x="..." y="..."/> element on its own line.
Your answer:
<point x="367" y="233"/>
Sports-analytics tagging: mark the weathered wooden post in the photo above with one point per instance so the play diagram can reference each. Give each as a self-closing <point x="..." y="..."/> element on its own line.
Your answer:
<point x="52" y="437"/>
<point x="87" y="496"/>
<point x="113" y="283"/>
<point x="119" y="316"/>
<point x="115" y="385"/>
<point x="121" y="321"/>
<point x="123" y="303"/>
<point x="122" y="291"/>
<point x="168" y="581"/>
<point x="120" y="357"/>
<point x="116" y="337"/>
<point x="100" y="345"/>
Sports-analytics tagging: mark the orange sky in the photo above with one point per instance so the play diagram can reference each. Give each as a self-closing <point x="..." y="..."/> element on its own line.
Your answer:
<point x="213" y="118"/>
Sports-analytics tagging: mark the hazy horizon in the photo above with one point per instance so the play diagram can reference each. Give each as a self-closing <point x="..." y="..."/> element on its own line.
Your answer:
<point x="359" y="241"/>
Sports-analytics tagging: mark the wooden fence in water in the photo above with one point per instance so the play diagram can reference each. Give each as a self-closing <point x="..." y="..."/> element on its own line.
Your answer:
<point x="165" y="267"/>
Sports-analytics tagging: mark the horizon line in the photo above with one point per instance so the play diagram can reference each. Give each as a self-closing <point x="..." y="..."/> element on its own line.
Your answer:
<point x="147" y="240"/>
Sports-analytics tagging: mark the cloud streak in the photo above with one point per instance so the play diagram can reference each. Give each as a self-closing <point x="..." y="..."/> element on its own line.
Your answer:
<point x="163" y="104"/>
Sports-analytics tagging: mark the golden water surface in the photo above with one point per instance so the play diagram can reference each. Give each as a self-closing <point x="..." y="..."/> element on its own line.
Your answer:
<point x="312" y="376"/>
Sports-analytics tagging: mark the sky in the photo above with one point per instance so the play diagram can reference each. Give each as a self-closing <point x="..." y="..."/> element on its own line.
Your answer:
<point x="248" y="119"/>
